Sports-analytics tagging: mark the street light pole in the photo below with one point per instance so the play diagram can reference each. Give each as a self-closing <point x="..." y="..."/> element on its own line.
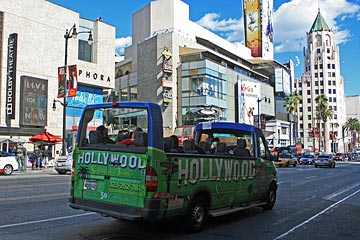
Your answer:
<point x="258" y="105"/>
<point x="72" y="33"/>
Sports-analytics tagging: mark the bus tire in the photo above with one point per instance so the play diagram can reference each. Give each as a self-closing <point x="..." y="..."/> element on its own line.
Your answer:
<point x="270" y="197"/>
<point x="196" y="215"/>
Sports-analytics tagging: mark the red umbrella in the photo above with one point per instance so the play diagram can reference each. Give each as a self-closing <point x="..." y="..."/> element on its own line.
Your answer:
<point x="45" y="137"/>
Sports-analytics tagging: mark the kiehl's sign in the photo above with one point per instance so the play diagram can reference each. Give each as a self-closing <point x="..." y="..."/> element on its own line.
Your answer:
<point x="11" y="76"/>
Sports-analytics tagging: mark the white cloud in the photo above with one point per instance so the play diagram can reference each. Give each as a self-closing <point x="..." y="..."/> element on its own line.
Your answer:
<point x="292" y="20"/>
<point x="213" y="22"/>
<point x="231" y="29"/>
<point x="121" y="44"/>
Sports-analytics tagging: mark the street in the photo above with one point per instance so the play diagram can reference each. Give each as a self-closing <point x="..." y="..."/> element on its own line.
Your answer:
<point x="313" y="203"/>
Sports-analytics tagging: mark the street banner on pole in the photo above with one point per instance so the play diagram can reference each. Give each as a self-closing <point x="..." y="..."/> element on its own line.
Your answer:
<point x="61" y="82"/>
<point x="72" y="83"/>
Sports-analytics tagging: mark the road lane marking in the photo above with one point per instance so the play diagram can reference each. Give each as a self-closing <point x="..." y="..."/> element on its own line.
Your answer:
<point x="315" y="216"/>
<point x="45" y="220"/>
<point x="34" y="196"/>
<point x="341" y="191"/>
<point x="310" y="177"/>
<point x="34" y="185"/>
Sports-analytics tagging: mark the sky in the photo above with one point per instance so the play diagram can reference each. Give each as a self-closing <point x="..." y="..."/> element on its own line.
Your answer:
<point x="292" y="20"/>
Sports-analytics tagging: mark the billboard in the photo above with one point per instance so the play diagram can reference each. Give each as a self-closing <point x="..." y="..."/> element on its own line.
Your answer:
<point x="248" y="95"/>
<point x="282" y="81"/>
<point x="267" y="30"/>
<point x="252" y="22"/>
<point x="33" y="108"/>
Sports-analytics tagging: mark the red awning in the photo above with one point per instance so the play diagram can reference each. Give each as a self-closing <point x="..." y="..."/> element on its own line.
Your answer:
<point x="45" y="137"/>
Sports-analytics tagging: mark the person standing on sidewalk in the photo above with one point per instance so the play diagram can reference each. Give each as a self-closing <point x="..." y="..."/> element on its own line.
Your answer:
<point x="20" y="153"/>
<point x="46" y="156"/>
<point x="37" y="154"/>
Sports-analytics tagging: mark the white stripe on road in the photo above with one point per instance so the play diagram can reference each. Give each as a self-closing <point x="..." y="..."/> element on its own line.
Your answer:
<point x="333" y="195"/>
<point x="315" y="216"/>
<point x="310" y="177"/>
<point x="45" y="220"/>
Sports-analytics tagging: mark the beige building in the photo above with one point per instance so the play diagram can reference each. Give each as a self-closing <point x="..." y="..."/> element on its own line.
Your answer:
<point x="322" y="76"/>
<point x="32" y="48"/>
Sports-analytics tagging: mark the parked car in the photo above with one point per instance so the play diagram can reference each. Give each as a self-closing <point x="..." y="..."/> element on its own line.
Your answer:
<point x="341" y="157"/>
<point x="63" y="164"/>
<point x="325" y="160"/>
<point x="8" y="163"/>
<point x="307" y="158"/>
<point x="286" y="159"/>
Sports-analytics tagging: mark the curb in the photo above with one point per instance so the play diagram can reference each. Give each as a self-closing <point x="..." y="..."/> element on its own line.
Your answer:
<point x="35" y="171"/>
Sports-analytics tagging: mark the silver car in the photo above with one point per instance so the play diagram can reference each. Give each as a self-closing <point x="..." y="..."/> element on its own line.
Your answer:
<point x="307" y="159"/>
<point x="325" y="160"/>
<point x="63" y="164"/>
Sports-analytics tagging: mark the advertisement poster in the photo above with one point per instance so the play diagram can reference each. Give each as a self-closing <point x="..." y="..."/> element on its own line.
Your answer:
<point x="33" y="108"/>
<point x="72" y="83"/>
<point x="253" y="26"/>
<point x="249" y="92"/>
<point x="61" y="82"/>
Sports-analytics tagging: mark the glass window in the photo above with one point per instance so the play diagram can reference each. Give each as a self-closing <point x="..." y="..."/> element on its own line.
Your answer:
<point x="85" y="51"/>
<point x="133" y="93"/>
<point x="185" y="66"/>
<point x="124" y="94"/>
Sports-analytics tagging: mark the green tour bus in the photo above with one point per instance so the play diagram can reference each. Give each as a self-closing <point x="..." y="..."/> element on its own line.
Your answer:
<point x="143" y="175"/>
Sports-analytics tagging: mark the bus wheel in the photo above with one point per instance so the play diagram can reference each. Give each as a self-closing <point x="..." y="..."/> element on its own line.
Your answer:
<point x="196" y="215"/>
<point x="270" y="197"/>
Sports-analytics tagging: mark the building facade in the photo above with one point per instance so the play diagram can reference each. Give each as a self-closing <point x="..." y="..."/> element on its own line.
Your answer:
<point x="31" y="51"/>
<point x="189" y="70"/>
<point x="321" y="77"/>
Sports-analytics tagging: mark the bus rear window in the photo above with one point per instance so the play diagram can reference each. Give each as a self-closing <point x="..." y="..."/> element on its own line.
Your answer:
<point x="114" y="126"/>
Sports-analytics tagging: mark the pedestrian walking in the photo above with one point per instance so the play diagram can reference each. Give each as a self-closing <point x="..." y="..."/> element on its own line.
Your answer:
<point x="38" y="157"/>
<point x="20" y="153"/>
<point x="46" y="156"/>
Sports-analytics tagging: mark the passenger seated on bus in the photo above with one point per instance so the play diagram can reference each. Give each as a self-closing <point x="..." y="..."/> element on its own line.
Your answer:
<point x="130" y="139"/>
<point x="213" y="144"/>
<point x="122" y="134"/>
<point x="104" y="134"/>
<point x="140" y="139"/>
<point x="95" y="137"/>
<point x="191" y="147"/>
<point x="205" y="146"/>
<point x="175" y="143"/>
<point x="220" y="147"/>
<point x="241" y="150"/>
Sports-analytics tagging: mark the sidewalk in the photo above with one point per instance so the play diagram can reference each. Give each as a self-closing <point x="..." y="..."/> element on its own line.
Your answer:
<point x="29" y="170"/>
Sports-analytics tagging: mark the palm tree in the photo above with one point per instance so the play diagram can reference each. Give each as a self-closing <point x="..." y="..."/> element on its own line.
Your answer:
<point x="352" y="125"/>
<point x="291" y="104"/>
<point x="323" y="113"/>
